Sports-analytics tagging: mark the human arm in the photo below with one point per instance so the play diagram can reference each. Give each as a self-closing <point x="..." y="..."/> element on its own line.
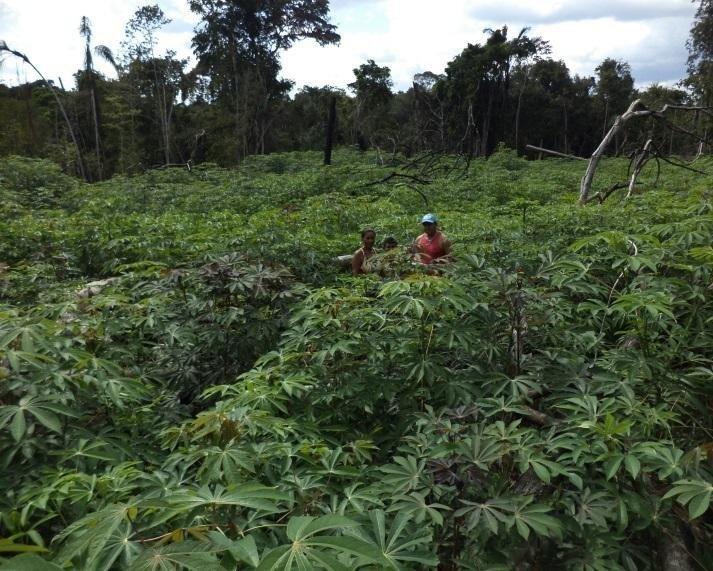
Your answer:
<point x="446" y="255"/>
<point x="358" y="262"/>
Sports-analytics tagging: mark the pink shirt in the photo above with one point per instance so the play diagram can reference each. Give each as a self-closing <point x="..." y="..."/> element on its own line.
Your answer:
<point x="431" y="248"/>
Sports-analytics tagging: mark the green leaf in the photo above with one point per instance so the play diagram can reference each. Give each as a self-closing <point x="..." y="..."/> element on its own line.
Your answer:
<point x="522" y="529"/>
<point x="275" y="559"/>
<point x="611" y="466"/>
<point x="345" y="544"/>
<point x="699" y="504"/>
<point x="300" y="528"/>
<point x="28" y="562"/>
<point x="632" y="464"/>
<point x="541" y="471"/>
<point x="47" y="419"/>
<point x="244" y="550"/>
<point x="189" y="555"/>
<point x="248" y="495"/>
<point x="9" y="546"/>
<point x="398" y="542"/>
<point x="18" y="425"/>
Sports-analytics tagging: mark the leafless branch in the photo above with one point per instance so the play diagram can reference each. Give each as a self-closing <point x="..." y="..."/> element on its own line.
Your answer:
<point x="555" y="153"/>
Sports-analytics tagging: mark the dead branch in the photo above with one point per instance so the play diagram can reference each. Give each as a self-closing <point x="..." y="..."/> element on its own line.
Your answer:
<point x="700" y="149"/>
<point x="636" y="110"/>
<point x="418" y="190"/>
<point x="417" y="160"/>
<point x="682" y="165"/>
<point x="538" y="417"/>
<point x="398" y="175"/>
<point x="555" y="153"/>
<point x="588" y="177"/>
<point x="640" y="161"/>
<point x="601" y="196"/>
<point x="186" y="165"/>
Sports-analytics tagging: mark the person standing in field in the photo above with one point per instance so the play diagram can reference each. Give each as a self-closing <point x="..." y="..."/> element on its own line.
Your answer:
<point x="360" y="258"/>
<point x="432" y="246"/>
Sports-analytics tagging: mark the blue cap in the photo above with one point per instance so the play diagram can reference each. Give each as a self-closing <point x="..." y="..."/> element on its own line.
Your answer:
<point x="429" y="219"/>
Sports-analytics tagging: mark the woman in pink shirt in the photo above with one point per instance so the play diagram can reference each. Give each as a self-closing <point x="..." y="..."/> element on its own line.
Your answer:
<point x="432" y="246"/>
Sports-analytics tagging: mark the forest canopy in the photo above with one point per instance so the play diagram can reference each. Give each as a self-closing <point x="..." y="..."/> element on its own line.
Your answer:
<point x="234" y="101"/>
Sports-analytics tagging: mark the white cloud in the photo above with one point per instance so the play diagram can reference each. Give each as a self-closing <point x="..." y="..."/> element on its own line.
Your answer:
<point x="408" y="36"/>
<point x="47" y="32"/>
<point x="421" y="35"/>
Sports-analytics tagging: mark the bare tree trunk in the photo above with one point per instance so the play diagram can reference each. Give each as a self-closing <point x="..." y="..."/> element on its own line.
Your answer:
<point x="586" y="185"/>
<point x="486" y="123"/>
<point x="30" y="119"/>
<point x="517" y="111"/>
<point x="329" y="135"/>
<point x="566" y="129"/>
<point x="97" y="139"/>
<point x="636" y="109"/>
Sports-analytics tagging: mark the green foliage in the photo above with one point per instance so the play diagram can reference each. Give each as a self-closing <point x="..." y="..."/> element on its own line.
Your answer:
<point x="188" y="382"/>
<point x="27" y="183"/>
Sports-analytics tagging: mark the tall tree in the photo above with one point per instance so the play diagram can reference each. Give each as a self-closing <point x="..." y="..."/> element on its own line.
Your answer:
<point x="543" y="104"/>
<point x="615" y="88"/>
<point x="700" y="54"/>
<point x="477" y="88"/>
<point x="372" y="87"/>
<point x="428" y="112"/>
<point x="238" y="45"/>
<point x="87" y="81"/>
<point x="153" y="78"/>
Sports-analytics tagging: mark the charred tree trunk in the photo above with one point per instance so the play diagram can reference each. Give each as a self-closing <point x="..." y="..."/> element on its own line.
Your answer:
<point x="97" y="137"/>
<point x="566" y="129"/>
<point x="329" y="135"/>
<point x="517" y="112"/>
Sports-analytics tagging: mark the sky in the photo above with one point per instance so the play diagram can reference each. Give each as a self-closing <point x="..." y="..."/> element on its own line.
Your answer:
<point x="408" y="36"/>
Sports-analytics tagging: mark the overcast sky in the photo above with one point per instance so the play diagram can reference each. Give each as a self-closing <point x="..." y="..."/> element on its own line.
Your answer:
<point x="409" y="36"/>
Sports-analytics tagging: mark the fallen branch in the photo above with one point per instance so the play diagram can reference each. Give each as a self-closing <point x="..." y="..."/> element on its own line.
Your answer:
<point x="172" y="165"/>
<point x="555" y="153"/>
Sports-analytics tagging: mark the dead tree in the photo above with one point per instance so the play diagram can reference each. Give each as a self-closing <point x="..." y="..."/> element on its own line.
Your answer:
<point x="637" y="110"/>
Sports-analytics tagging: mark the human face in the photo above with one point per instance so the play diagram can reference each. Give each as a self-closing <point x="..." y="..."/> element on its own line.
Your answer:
<point x="429" y="228"/>
<point x="368" y="240"/>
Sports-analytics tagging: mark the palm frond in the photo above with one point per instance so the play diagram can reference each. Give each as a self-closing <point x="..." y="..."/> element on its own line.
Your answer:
<point x="106" y="54"/>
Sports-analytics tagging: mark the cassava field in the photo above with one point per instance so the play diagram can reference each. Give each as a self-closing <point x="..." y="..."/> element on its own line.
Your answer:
<point x="188" y="381"/>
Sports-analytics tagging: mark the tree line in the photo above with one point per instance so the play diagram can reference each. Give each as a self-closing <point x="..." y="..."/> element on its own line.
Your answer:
<point x="234" y="101"/>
